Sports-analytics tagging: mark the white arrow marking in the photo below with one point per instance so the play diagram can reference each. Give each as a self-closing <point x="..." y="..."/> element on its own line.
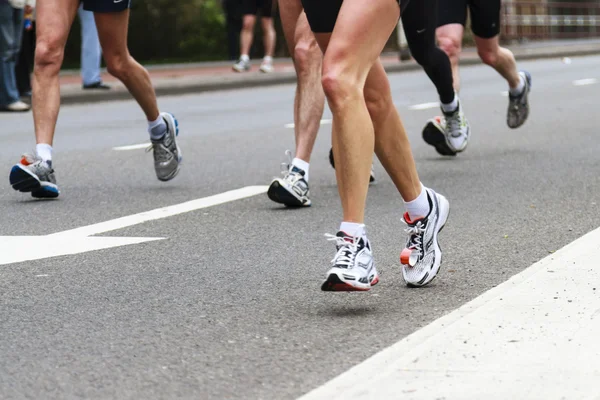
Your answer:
<point x="164" y="212"/>
<point x="15" y="249"/>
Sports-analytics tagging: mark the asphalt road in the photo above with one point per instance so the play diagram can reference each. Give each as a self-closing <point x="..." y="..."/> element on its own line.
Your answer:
<point x="229" y="306"/>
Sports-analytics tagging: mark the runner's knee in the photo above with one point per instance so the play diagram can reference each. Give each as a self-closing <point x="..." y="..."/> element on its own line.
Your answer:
<point x="338" y="84"/>
<point x="307" y="56"/>
<point x="118" y="65"/>
<point x="48" y="55"/>
<point x="450" y="45"/>
<point x="489" y="57"/>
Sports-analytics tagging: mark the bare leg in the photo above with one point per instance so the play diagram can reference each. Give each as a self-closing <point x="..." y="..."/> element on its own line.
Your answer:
<point x="54" y="19"/>
<point x="310" y="99"/>
<point x="499" y="58"/>
<point x="350" y="52"/>
<point x="391" y="142"/>
<point x="269" y="36"/>
<point x="112" y="30"/>
<point x="247" y="34"/>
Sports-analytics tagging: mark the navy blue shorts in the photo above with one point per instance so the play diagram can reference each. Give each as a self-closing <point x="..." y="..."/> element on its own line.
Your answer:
<point x="106" y="6"/>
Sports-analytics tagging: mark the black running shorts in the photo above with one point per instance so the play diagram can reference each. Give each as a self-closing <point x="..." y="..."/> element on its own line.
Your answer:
<point x="106" y="6"/>
<point x="254" y="7"/>
<point x="322" y="14"/>
<point x="485" y="15"/>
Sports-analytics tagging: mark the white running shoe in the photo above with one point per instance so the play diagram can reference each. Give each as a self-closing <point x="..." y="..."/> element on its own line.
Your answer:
<point x="353" y="268"/>
<point x="422" y="257"/>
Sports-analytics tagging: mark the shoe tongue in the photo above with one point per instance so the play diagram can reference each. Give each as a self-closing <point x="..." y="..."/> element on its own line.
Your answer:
<point x="297" y="170"/>
<point x="411" y="222"/>
<point x="346" y="237"/>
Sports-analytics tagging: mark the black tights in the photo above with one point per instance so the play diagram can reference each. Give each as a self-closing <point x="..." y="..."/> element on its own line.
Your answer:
<point x="419" y="20"/>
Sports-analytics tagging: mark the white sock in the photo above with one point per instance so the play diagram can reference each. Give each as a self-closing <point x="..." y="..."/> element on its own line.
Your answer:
<point x="303" y="165"/>
<point x="450" y="107"/>
<point x="353" y="229"/>
<point x="44" y="151"/>
<point x="268" y="59"/>
<point x="520" y="87"/>
<point x="419" y="207"/>
<point x="157" y="129"/>
<point x="245" y="57"/>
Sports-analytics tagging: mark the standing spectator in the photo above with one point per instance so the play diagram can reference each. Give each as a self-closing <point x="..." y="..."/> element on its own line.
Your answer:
<point x="250" y="9"/>
<point x="11" y="30"/>
<point x="91" y="52"/>
<point x="24" y="65"/>
<point x="233" y="17"/>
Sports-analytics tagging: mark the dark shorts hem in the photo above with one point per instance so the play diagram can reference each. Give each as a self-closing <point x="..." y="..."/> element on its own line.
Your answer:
<point x="106" y="6"/>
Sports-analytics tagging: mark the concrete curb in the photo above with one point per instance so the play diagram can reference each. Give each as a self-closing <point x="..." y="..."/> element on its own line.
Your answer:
<point x="181" y="86"/>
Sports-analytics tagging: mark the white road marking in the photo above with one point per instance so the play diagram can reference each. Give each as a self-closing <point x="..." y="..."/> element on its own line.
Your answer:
<point x="163" y="212"/>
<point x="132" y="147"/>
<point x="534" y="336"/>
<point x="583" y="82"/>
<point x="424" y="106"/>
<point x="505" y="93"/>
<point x="323" y="122"/>
<point x="14" y="249"/>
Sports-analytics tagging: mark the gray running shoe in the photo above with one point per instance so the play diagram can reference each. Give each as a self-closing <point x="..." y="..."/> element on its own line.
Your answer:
<point x="518" y="106"/>
<point x="167" y="155"/>
<point x="32" y="174"/>
<point x="241" y="66"/>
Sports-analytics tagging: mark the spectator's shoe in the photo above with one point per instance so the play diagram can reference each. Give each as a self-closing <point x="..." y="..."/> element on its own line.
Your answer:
<point x="167" y="155"/>
<point x="266" y="66"/>
<point x="518" y="106"/>
<point x="98" y="85"/>
<point x="372" y="179"/>
<point x="34" y="175"/>
<point x="17" y="106"/>
<point x="242" y="65"/>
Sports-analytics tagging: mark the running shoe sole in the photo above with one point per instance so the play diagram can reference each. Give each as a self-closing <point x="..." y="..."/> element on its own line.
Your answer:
<point x="334" y="283"/>
<point x="24" y="181"/>
<point x="279" y="194"/>
<point x="432" y="136"/>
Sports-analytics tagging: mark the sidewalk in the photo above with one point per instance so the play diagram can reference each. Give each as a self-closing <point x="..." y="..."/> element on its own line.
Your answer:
<point x="177" y="79"/>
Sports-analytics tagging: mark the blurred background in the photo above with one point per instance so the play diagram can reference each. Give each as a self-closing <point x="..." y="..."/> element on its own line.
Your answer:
<point x="166" y="31"/>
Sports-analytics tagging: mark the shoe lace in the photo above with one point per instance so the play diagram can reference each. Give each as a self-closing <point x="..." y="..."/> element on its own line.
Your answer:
<point x="415" y="235"/>
<point x="161" y="153"/>
<point x="347" y="250"/>
<point x="290" y="176"/>
<point x="454" y="122"/>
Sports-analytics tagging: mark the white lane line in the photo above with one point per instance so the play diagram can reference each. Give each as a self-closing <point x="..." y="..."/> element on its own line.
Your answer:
<point x="132" y="147"/>
<point x="534" y="336"/>
<point x="163" y="212"/>
<point x="505" y="93"/>
<point x="424" y="106"/>
<point x="583" y="82"/>
<point x="323" y="122"/>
